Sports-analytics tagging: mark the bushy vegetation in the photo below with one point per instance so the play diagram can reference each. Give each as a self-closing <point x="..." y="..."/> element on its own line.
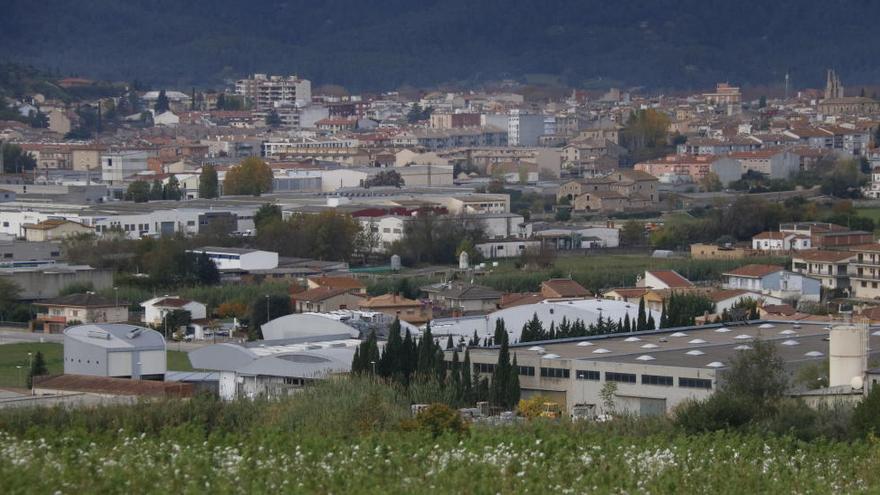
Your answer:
<point x="345" y="436"/>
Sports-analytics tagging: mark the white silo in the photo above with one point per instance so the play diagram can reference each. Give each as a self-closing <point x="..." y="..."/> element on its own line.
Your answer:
<point x="847" y="354"/>
<point x="463" y="261"/>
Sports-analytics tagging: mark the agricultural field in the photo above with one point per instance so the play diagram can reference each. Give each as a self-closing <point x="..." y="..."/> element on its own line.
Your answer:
<point x="14" y="355"/>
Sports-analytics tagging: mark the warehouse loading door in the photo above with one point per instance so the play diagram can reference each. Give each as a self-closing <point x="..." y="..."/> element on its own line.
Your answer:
<point x="652" y="407"/>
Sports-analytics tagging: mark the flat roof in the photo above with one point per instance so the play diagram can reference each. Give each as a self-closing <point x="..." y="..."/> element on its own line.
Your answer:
<point x="694" y="347"/>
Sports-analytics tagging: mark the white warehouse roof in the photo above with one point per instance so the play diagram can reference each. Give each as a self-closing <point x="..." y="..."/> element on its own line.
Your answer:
<point x="117" y="336"/>
<point x="307" y="325"/>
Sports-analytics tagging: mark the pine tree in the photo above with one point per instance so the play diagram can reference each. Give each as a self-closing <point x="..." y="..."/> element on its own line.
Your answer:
<point x="367" y="356"/>
<point x="551" y="334"/>
<point x="626" y="324"/>
<point x="642" y="321"/>
<point x="208" y="183"/>
<point x="455" y="378"/>
<point x="409" y="357"/>
<point x="501" y="377"/>
<point x="357" y="362"/>
<point x="651" y="324"/>
<point x="449" y="344"/>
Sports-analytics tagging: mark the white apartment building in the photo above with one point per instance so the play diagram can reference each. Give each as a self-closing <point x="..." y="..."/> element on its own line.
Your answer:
<point x="524" y="129"/>
<point x="119" y="165"/>
<point x="270" y="91"/>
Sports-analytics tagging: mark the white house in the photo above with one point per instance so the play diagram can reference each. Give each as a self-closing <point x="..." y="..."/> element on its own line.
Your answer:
<point x="156" y="308"/>
<point x="780" y="241"/>
<point x="240" y="258"/>
<point x="774" y="281"/>
<point x="664" y="279"/>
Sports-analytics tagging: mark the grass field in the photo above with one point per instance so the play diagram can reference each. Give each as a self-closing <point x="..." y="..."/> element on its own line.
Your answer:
<point x="14" y="355"/>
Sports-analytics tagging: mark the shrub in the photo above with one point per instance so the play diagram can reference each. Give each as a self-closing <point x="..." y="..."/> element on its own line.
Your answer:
<point x="719" y="412"/>
<point x="866" y="415"/>
<point x="438" y="419"/>
<point x="531" y="408"/>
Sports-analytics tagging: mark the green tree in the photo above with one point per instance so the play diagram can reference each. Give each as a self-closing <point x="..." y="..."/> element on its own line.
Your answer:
<point x="173" y="320"/>
<point x="390" y="364"/>
<point x="866" y="416"/>
<point x="251" y="177"/>
<point x="138" y="191"/>
<point x="171" y="190"/>
<point x="15" y="160"/>
<point x="206" y="270"/>
<point x="208" y="183"/>
<point x="156" y="191"/>
<point x="273" y="120"/>
<point x="467" y="394"/>
<point x="426" y="353"/>
<point x="38" y="120"/>
<point x="162" y="104"/>
<point x="385" y="178"/>
<point x="267" y="212"/>
<point x="757" y="376"/>
<point x="38" y="368"/>
<point x="278" y="306"/>
<point x="641" y="318"/>
<point x="632" y="233"/>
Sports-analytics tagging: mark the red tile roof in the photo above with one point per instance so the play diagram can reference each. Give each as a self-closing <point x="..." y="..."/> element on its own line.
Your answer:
<point x="671" y="278"/>
<point x="563" y="287"/>
<point x="824" y="256"/>
<point x="319" y="294"/>
<point x="755" y="271"/>
<point x="520" y="299"/>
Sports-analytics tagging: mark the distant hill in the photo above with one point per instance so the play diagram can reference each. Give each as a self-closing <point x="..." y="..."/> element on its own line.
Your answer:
<point x="361" y="44"/>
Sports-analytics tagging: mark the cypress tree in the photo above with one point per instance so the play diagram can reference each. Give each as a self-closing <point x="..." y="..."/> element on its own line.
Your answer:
<point x="356" y="361"/>
<point x="626" y="324"/>
<point x="426" y="355"/>
<point x="651" y="324"/>
<point x="449" y="344"/>
<point x="501" y="377"/>
<point x="513" y="391"/>
<point x="467" y="386"/>
<point x="642" y="321"/>
<point x="551" y="334"/>
<point x="455" y="378"/>
<point x="664" y="316"/>
<point x="389" y="363"/>
<point x="408" y="357"/>
<point x="500" y="331"/>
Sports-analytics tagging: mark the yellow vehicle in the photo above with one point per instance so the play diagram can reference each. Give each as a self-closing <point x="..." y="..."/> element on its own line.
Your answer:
<point x="551" y="410"/>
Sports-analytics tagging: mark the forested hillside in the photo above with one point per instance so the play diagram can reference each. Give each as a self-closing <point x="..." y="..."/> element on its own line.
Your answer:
<point x="379" y="45"/>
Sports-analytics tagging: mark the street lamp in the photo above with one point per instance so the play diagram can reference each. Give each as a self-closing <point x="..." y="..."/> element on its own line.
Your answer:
<point x="18" y="367"/>
<point x="374" y="367"/>
<point x="116" y="292"/>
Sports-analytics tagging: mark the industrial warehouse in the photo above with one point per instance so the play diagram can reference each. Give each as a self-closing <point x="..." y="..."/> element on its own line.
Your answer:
<point x="654" y="371"/>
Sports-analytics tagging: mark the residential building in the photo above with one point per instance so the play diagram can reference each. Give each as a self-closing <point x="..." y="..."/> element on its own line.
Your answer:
<point x="396" y="306"/>
<point x="462" y="297"/>
<point x="779" y="242"/>
<point x="827" y="235"/>
<point x="325" y="300"/>
<point x="664" y="279"/>
<point x="157" y="308"/>
<point x="524" y="129"/>
<point x="350" y="284"/>
<point x="829" y="267"/>
<point x="774" y="281"/>
<point x="864" y="271"/>
<point x="563" y="288"/>
<point x="265" y="92"/>
<point x="55" y="314"/>
<point x="117" y="166"/>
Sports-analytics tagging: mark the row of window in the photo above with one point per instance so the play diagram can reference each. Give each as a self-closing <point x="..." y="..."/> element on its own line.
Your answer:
<point x="610" y="376"/>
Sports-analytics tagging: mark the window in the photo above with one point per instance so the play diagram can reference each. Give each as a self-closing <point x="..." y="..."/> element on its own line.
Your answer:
<point x="527" y="370"/>
<point x="484" y="368"/>
<point x="586" y="375"/>
<point x="555" y="373"/>
<point x="694" y="383"/>
<point x="665" y="381"/>
<point x="611" y="376"/>
<point x="7" y="255"/>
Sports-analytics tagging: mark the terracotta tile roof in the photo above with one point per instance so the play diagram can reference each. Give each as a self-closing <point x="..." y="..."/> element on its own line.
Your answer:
<point x="671" y="278"/>
<point x="772" y="235"/>
<point x="563" y="287"/>
<point x="390" y="300"/>
<point x="754" y="271"/>
<point x="873" y="247"/>
<point x="520" y="299"/>
<point x="172" y="302"/>
<point x="319" y="294"/>
<point x="628" y="292"/>
<point x="824" y="256"/>
<point x="722" y="295"/>
<point x="84" y="300"/>
<point x="348" y="283"/>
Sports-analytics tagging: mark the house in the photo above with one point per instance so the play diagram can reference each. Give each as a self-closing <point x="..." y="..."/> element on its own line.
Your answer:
<point x="726" y="299"/>
<point x="827" y="235"/>
<point x="780" y="241"/>
<point x="864" y="271"/>
<point x="774" y="281"/>
<point x="325" y="299"/>
<point x="408" y="310"/>
<point x="157" y="308"/>
<point x="227" y="258"/>
<point x="831" y="268"/>
<point x="563" y="288"/>
<point x="519" y="299"/>
<point x="56" y="314"/>
<point x="350" y="284"/>
<point x="664" y="279"/>
<point x="114" y="350"/>
<point x="54" y="229"/>
<point x="463" y="297"/>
